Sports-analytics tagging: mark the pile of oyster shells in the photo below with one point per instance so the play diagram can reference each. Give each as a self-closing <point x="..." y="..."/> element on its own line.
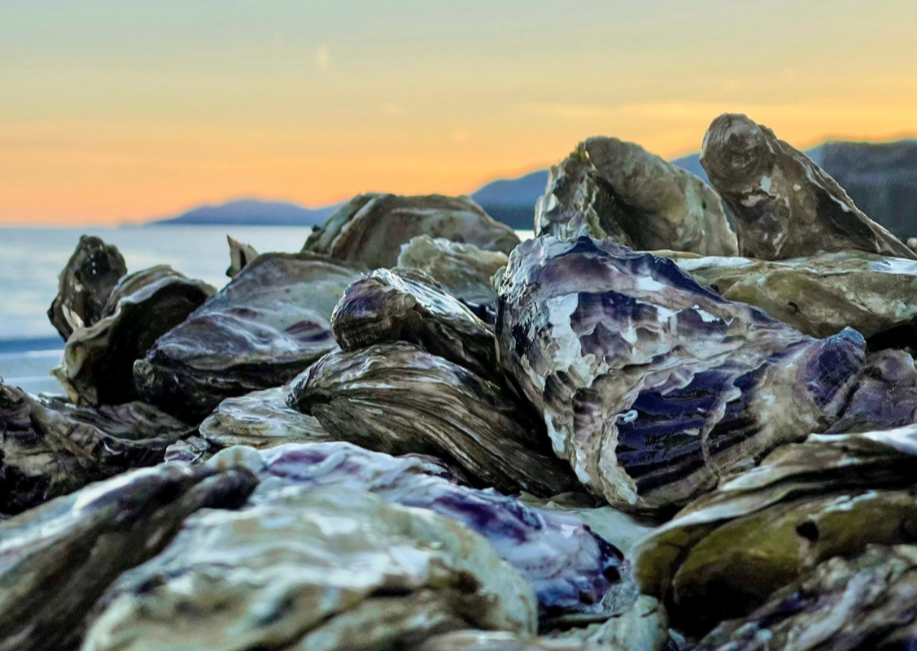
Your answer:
<point x="640" y="430"/>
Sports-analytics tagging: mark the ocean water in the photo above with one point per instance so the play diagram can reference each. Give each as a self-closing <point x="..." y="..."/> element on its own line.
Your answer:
<point x="32" y="258"/>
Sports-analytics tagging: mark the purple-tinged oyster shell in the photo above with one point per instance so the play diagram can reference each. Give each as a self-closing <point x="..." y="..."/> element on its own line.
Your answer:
<point x="653" y="387"/>
<point x="331" y="568"/>
<point x="407" y="305"/>
<point x="572" y="570"/>
<point x="398" y="399"/>
<point x="885" y="398"/>
<point x="784" y="205"/>
<point x="267" y="325"/>
<point x="58" y="559"/>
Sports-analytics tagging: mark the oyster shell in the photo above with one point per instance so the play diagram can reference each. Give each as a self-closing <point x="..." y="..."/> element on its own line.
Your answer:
<point x="865" y="603"/>
<point x="463" y="270"/>
<point x="240" y="255"/>
<point x="300" y="570"/>
<point x="885" y="398"/>
<point x="784" y="205"/>
<point x="396" y="398"/>
<point x="619" y="192"/>
<point x="371" y="228"/>
<point x="640" y="628"/>
<point x="268" y="324"/>
<point x="50" y="448"/>
<point x="819" y="295"/>
<point x="572" y="570"/>
<point x="58" y="559"/>
<point x="97" y="367"/>
<point x="407" y="305"/>
<point x="832" y="495"/>
<point x="653" y="387"/>
<point x="260" y="420"/>
<point x="84" y="285"/>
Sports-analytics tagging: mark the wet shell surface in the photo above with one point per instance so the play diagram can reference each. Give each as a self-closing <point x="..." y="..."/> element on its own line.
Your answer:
<point x="654" y="388"/>
<point x="371" y="228"/>
<point x="98" y="362"/>
<point x="784" y="205"/>
<point x="618" y="192"/>
<point x="396" y="398"/>
<point x="267" y="325"/>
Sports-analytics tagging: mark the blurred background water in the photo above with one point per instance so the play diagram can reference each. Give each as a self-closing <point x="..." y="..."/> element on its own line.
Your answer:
<point x="32" y="258"/>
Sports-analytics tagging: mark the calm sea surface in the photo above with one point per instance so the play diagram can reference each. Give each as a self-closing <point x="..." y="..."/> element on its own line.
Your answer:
<point x="32" y="258"/>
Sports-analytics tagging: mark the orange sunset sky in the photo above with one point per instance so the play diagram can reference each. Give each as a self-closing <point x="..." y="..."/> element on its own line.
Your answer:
<point x="117" y="111"/>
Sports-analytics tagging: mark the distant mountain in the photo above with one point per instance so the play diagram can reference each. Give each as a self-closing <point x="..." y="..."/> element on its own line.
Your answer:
<point x="254" y="212"/>
<point x="881" y="179"/>
<point x="512" y="201"/>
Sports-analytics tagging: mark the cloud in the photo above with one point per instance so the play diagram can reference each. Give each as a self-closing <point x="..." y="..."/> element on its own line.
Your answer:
<point x="323" y="58"/>
<point x="393" y="110"/>
<point x="460" y="136"/>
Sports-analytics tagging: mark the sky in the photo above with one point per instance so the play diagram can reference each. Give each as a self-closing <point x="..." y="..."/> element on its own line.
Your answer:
<point x="115" y="111"/>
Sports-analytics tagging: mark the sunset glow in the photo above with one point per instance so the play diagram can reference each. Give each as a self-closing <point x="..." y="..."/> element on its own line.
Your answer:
<point x="118" y="111"/>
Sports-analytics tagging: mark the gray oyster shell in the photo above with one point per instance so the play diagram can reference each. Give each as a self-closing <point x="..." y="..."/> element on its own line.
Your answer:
<point x="641" y="628"/>
<point x="784" y="205"/>
<point x="261" y="420"/>
<point x="861" y="604"/>
<point x="617" y="191"/>
<point x="301" y="570"/>
<point x="818" y="295"/>
<point x="407" y="305"/>
<point x="240" y="256"/>
<point x="832" y="495"/>
<point x="98" y="362"/>
<point x="50" y="447"/>
<point x="463" y="270"/>
<point x="84" y="285"/>
<point x="396" y="398"/>
<point x="371" y="228"/>
<point x="572" y="570"/>
<point x="653" y="387"/>
<point x="267" y="325"/>
<point x="58" y="559"/>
